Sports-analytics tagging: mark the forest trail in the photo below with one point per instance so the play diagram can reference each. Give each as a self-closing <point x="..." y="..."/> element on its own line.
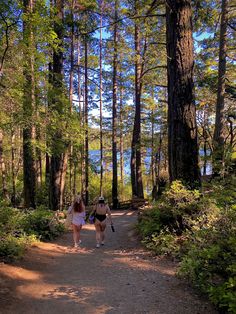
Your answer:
<point x="120" y="277"/>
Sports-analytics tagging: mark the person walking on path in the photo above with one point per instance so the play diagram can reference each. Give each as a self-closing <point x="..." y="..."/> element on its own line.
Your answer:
<point x="100" y="213"/>
<point x="77" y="209"/>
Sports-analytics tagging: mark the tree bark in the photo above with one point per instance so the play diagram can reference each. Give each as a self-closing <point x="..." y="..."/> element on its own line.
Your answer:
<point x="29" y="171"/>
<point x="81" y="121"/>
<point x="182" y="128"/>
<point x="121" y="138"/>
<point x="86" y="148"/>
<point x="71" y="91"/>
<point x="3" y="168"/>
<point x="136" y="162"/>
<point x="219" y="137"/>
<point x="58" y="146"/>
<point x="100" y="102"/>
<point x="114" y="115"/>
<point x="13" y="198"/>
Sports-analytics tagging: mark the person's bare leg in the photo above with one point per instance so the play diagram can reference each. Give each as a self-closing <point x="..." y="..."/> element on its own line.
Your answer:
<point x="98" y="234"/>
<point x="76" y="234"/>
<point x="103" y="227"/>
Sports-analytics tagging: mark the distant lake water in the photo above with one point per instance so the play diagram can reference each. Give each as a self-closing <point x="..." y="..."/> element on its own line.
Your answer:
<point x="94" y="157"/>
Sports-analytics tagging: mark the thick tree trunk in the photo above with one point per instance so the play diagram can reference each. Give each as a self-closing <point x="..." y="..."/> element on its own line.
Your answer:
<point x="219" y="137"/>
<point x="182" y="128"/>
<point x="58" y="147"/>
<point x="3" y="168"/>
<point x="121" y="139"/>
<point x="63" y="177"/>
<point x="81" y="121"/>
<point x="205" y="157"/>
<point x="86" y="148"/>
<point x="152" y="149"/>
<point x="71" y="91"/>
<point x="136" y="162"/>
<point x="29" y="171"/>
<point x="114" y="115"/>
<point x="13" y="198"/>
<point x="100" y="102"/>
<point x="39" y="170"/>
<point x="47" y="157"/>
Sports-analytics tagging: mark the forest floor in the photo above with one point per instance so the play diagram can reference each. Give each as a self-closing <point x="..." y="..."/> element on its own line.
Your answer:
<point x="120" y="277"/>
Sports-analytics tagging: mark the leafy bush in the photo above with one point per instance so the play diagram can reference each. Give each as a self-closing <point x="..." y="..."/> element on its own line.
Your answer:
<point x="42" y="195"/>
<point x="12" y="247"/>
<point x="210" y="262"/>
<point x="18" y="229"/>
<point x="173" y="212"/>
<point x="41" y="223"/>
<point x="201" y="231"/>
<point x="10" y="220"/>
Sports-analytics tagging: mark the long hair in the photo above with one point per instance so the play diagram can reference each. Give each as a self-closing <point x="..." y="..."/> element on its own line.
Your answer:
<point x="78" y="207"/>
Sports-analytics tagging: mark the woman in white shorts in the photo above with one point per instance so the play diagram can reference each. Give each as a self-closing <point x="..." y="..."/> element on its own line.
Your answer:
<point x="78" y="218"/>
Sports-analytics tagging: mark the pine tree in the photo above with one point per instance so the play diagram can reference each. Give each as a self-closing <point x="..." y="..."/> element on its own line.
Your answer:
<point x="182" y="128"/>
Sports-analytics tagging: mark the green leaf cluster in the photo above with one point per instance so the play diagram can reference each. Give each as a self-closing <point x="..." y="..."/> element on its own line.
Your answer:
<point x="206" y="242"/>
<point x="19" y="229"/>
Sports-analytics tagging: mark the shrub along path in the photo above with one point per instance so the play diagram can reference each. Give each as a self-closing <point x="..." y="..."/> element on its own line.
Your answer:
<point x="120" y="277"/>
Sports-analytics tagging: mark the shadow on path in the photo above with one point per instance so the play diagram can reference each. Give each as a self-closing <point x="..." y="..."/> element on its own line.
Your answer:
<point x="120" y="277"/>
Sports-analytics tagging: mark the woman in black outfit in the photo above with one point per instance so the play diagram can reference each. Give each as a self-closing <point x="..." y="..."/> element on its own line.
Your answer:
<point x="102" y="210"/>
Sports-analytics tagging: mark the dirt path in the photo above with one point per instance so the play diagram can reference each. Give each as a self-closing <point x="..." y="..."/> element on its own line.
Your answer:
<point x="119" y="278"/>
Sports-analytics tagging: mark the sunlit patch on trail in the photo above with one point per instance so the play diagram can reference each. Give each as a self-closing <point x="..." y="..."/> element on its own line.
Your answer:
<point x="78" y="294"/>
<point x="81" y="250"/>
<point x="19" y="273"/>
<point x="137" y="260"/>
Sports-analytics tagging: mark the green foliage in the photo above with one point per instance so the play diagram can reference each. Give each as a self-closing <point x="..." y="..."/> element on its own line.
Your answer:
<point x="12" y="247"/>
<point x="206" y="244"/>
<point x="19" y="229"/>
<point x="41" y="223"/>
<point x="163" y="227"/>
<point x="176" y="207"/>
<point x="42" y="195"/>
<point x="211" y="259"/>
<point x="13" y="239"/>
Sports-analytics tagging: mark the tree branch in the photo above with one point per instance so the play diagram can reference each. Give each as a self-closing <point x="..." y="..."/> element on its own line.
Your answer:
<point x="8" y="26"/>
<point x="231" y="26"/>
<point x="156" y="67"/>
<point x="122" y="19"/>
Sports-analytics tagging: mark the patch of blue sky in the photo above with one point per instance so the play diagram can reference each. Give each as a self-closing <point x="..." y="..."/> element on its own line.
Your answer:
<point x="197" y="38"/>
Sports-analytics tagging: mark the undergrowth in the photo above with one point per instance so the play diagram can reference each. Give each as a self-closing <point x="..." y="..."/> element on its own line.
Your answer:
<point x="20" y="228"/>
<point x="199" y="230"/>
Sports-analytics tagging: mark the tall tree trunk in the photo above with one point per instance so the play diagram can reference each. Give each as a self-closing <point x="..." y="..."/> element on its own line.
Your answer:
<point x="121" y="139"/>
<point x="205" y="157"/>
<point x="182" y="128"/>
<point x="136" y="162"/>
<point x="152" y="149"/>
<point x="63" y="177"/>
<point x="71" y="91"/>
<point x="13" y="198"/>
<point x="114" y="115"/>
<point x="49" y="98"/>
<point x="81" y="121"/>
<point x="86" y="150"/>
<point x="153" y="161"/>
<point x="3" y="168"/>
<point x="58" y="146"/>
<point x="29" y="172"/>
<point x="219" y="138"/>
<point x="39" y="170"/>
<point x="100" y="89"/>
